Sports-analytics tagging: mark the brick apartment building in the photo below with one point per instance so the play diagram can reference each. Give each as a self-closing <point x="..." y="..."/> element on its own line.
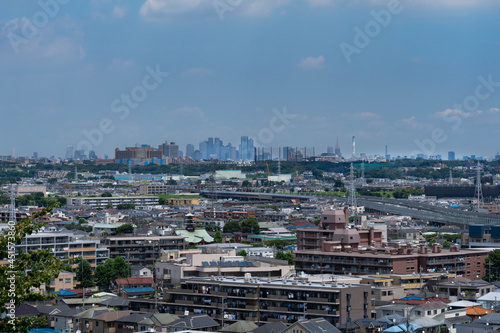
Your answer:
<point x="334" y="249"/>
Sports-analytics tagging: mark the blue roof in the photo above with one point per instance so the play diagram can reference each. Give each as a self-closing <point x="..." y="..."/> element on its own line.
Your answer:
<point x="139" y="290"/>
<point x="64" y="293"/>
<point x="402" y="328"/>
<point x="407" y="298"/>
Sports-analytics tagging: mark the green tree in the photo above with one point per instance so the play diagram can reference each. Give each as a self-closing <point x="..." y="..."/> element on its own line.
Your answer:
<point x="492" y="264"/>
<point x="84" y="274"/>
<point x="250" y="226"/>
<point x="288" y="256"/>
<point x="245" y="183"/>
<point x="106" y="194"/>
<point x="218" y="237"/>
<point x="125" y="229"/>
<point x="446" y="244"/>
<point x="231" y="226"/>
<point x="120" y="268"/>
<point x="81" y="220"/>
<point x="22" y="272"/>
<point x="104" y="274"/>
<point x="432" y="241"/>
<point x="67" y="268"/>
<point x="242" y="253"/>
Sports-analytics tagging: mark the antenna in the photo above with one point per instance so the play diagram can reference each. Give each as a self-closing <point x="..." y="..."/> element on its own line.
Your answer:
<point x="352" y="189"/>
<point x="479" y="189"/>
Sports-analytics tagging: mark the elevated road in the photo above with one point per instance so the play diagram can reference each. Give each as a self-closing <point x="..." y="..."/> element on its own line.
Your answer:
<point x="405" y="207"/>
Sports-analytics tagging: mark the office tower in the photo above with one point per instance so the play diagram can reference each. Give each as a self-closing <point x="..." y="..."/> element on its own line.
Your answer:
<point x="337" y="148"/>
<point x="69" y="152"/>
<point x="169" y="150"/>
<point x="329" y="150"/>
<point x="92" y="155"/>
<point x="35" y="155"/>
<point x="451" y="156"/>
<point x="247" y="149"/>
<point x="203" y="148"/>
<point x="80" y="155"/>
<point x="189" y="150"/>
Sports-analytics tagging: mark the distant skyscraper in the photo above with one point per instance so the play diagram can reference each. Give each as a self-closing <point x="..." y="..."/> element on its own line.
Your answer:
<point x="69" y="152"/>
<point x="35" y="155"/>
<point x="451" y="156"/>
<point x="337" y="148"/>
<point x="189" y="150"/>
<point x="329" y="150"/>
<point x="92" y="155"/>
<point x="247" y="152"/>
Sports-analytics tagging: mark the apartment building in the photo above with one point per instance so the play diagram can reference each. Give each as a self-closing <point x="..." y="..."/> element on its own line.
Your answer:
<point x="143" y="250"/>
<point x="65" y="246"/>
<point x="263" y="301"/>
<point x="103" y="202"/>
<point x="224" y="263"/>
<point x="333" y="248"/>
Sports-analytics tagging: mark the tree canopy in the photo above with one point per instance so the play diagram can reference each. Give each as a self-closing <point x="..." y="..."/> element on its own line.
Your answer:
<point x="23" y="272"/>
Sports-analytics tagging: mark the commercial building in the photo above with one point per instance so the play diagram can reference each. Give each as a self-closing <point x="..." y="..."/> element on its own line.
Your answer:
<point x="143" y="153"/>
<point x="142" y="250"/>
<point x="103" y="202"/>
<point x="229" y="299"/>
<point x="23" y="190"/>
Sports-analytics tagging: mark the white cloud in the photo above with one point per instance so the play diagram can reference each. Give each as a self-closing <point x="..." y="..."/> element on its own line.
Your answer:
<point x="119" y="11"/>
<point x="188" y="111"/>
<point x="493" y="110"/>
<point x="119" y="63"/>
<point x="196" y="71"/>
<point x="312" y="63"/>
<point x="152" y="9"/>
<point x="455" y="112"/>
<point x="262" y="7"/>
<point x="321" y="3"/>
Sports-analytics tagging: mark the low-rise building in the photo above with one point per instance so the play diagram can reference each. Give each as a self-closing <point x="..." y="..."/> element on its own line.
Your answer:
<point x="142" y="250"/>
<point x="103" y="202"/>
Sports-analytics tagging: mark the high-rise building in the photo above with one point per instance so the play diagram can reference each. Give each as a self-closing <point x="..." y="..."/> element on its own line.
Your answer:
<point x="92" y="155"/>
<point x="80" y="155"/>
<point x="189" y="150"/>
<point x="247" y="152"/>
<point x="69" y="153"/>
<point x="169" y="150"/>
<point x="451" y="156"/>
<point x="329" y="150"/>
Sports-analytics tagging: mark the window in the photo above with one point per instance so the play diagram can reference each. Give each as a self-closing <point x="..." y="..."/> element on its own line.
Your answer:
<point x="418" y="313"/>
<point x="429" y="313"/>
<point x="67" y="280"/>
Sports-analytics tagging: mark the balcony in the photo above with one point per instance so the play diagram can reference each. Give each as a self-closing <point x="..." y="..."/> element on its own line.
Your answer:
<point x="184" y="302"/>
<point x="317" y="299"/>
<point x="319" y="312"/>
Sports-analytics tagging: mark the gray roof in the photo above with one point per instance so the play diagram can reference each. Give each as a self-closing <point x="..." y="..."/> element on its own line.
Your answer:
<point x="134" y="318"/>
<point x="196" y="321"/>
<point x="426" y="322"/>
<point x="275" y="327"/>
<point x="318" y="325"/>
<point x="492" y="319"/>
<point x="458" y="320"/>
<point x="114" y="301"/>
<point x="49" y="309"/>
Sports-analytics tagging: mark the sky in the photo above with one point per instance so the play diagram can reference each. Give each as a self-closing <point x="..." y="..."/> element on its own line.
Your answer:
<point x="419" y="76"/>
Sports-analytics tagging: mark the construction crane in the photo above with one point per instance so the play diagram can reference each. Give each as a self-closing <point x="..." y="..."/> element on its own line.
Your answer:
<point x="268" y="173"/>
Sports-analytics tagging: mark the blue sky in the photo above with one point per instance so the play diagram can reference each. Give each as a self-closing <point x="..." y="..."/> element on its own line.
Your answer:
<point x="228" y="72"/>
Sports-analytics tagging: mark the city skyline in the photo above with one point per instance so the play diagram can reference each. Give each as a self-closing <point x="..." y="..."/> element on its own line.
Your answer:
<point x="420" y="77"/>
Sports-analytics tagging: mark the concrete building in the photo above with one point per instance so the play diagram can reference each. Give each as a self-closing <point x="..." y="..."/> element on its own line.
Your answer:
<point x="142" y="250"/>
<point x="65" y="245"/>
<point x="333" y="248"/>
<point x="103" y="202"/>
<point x="269" y="300"/>
<point x="23" y="190"/>
<point x="224" y="263"/>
